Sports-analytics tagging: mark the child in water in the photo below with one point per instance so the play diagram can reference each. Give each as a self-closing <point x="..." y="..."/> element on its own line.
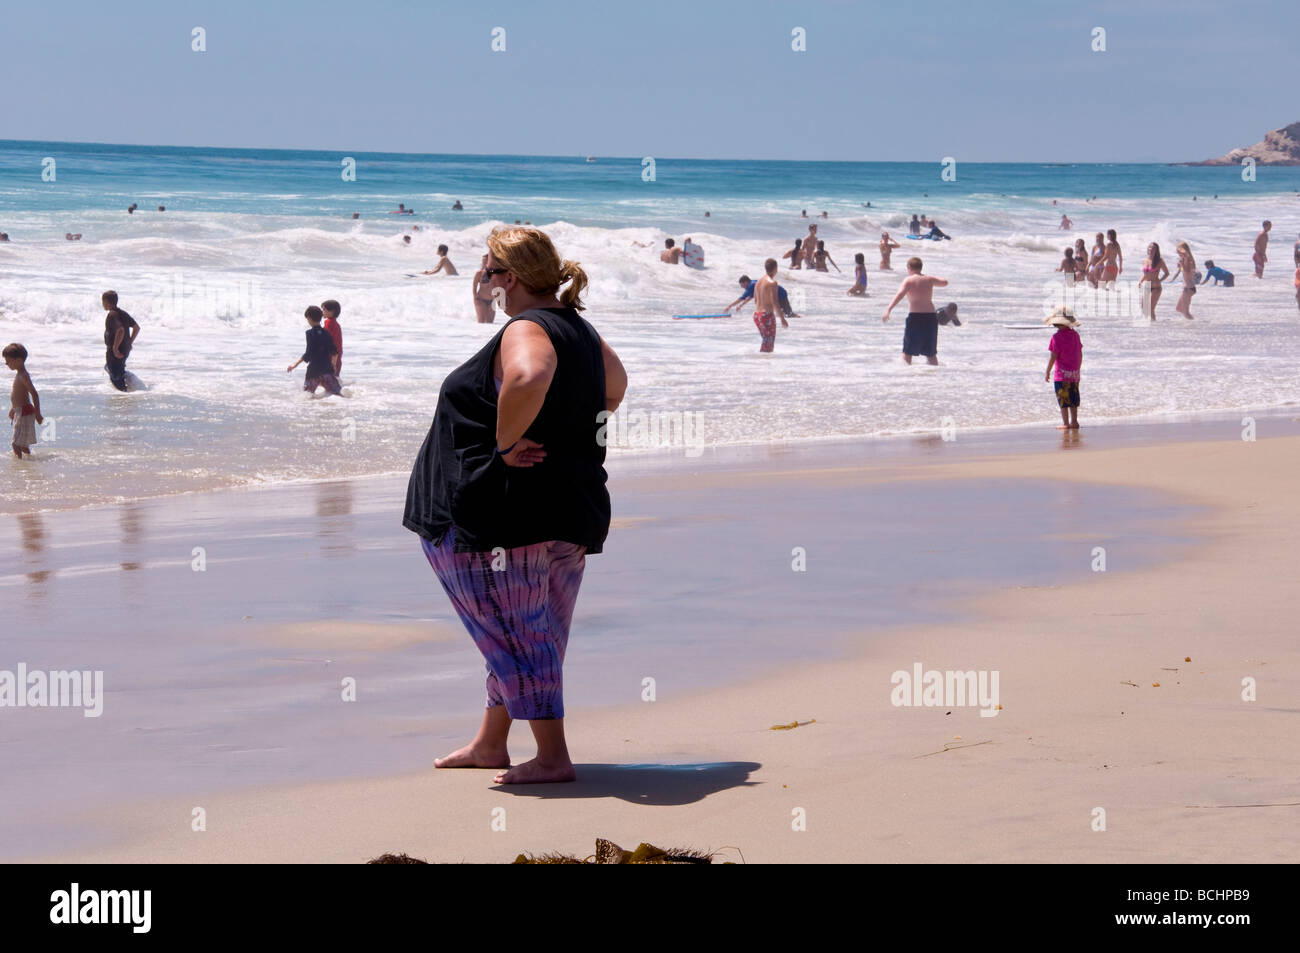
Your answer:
<point x="319" y="356"/>
<point x="859" y="289"/>
<point x="1067" y="266"/>
<point x="24" y="402"/>
<point x="1067" y="358"/>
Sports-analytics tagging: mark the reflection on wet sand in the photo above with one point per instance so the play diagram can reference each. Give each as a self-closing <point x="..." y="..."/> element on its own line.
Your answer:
<point x="334" y="524"/>
<point x="32" y="528"/>
<point x="130" y="519"/>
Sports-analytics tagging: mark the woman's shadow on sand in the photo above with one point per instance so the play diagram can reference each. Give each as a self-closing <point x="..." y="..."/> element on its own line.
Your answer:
<point x="658" y="784"/>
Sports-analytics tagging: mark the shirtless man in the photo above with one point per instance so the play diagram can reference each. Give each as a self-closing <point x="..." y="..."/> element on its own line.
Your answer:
<point x="444" y="263"/>
<point x="921" y="333"/>
<point x="670" y="255"/>
<point x="810" y="248"/>
<point x="1261" y="246"/>
<point x="887" y="246"/>
<point x="767" y="301"/>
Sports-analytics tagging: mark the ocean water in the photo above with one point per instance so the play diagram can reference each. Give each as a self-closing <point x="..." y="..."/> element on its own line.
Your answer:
<point x="250" y="238"/>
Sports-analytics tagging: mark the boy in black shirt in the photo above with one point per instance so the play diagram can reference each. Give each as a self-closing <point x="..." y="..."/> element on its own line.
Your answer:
<point x="120" y="332"/>
<point x="319" y="356"/>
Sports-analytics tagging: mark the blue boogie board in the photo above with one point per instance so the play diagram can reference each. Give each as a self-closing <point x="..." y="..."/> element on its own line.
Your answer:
<point x="679" y="317"/>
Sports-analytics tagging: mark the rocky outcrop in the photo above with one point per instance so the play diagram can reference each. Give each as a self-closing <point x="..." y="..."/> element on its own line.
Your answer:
<point x="1279" y="147"/>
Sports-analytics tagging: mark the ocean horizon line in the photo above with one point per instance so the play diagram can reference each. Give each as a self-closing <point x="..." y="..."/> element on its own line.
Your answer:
<point x="583" y="156"/>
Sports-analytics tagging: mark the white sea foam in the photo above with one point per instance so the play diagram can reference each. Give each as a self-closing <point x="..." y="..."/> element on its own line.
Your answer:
<point x="220" y="300"/>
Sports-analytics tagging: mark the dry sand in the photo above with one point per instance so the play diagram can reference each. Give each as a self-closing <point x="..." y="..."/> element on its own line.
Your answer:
<point x="1187" y="771"/>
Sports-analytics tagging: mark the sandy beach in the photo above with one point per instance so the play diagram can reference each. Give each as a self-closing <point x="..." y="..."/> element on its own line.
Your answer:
<point x="1120" y="690"/>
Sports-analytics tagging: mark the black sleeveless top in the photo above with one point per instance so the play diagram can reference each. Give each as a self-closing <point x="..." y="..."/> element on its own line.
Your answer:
<point x="460" y="481"/>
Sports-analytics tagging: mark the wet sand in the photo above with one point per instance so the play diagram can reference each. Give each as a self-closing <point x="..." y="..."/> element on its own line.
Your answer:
<point x="947" y="556"/>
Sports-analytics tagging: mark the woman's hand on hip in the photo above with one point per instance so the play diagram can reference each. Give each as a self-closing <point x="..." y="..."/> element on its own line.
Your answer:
<point x="525" y="453"/>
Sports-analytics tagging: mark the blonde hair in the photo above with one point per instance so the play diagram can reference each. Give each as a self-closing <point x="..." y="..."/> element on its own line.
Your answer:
<point x="529" y="255"/>
<point x="1184" y="248"/>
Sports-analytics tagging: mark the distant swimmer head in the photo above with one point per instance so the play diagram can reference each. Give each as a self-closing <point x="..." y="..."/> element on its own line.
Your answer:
<point x="406" y="239"/>
<point x="356" y="214"/>
<point x="669" y="243"/>
<point x="914" y="264"/>
<point x="162" y="208"/>
<point x="442" y="249"/>
<point x="530" y="257"/>
<point x="770" y="266"/>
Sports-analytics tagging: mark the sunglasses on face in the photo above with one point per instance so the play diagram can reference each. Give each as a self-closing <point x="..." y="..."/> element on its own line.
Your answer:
<point x="489" y="272"/>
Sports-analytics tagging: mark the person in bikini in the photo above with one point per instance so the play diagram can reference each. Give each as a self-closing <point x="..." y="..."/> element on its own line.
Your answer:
<point x="821" y="256"/>
<point x="1186" y="268"/>
<point x="1094" y="263"/>
<point x="795" y="254"/>
<point x="1112" y="261"/>
<point x="1080" y="260"/>
<point x="921" y="333"/>
<point x="1154" y="271"/>
<point x="887" y="246"/>
<point x="482" y="303"/>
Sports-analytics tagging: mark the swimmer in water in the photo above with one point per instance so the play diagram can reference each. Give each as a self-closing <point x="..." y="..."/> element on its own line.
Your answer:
<point x="444" y="264"/>
<point x="887" y="246"/>
<point x="1067" y="266"/>
<point x="859" y="288"/>
<point x="795" y="254"/>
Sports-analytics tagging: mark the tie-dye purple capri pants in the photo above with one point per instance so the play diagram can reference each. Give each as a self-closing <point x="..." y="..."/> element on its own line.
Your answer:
<point x="518" y="615"/>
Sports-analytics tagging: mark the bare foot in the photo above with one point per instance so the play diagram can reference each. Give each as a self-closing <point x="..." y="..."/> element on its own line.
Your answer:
<point x="1074" y="426"/>
<point x="533" y="772"/>
<point x="471" y="757"/>
<point x="1062" y="426"/>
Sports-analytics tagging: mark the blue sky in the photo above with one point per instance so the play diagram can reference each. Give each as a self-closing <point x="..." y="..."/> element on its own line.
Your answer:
<point x="898" y="81"/>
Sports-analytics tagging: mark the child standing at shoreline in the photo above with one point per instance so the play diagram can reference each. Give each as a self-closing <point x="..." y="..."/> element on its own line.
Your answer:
<point x="24" y="402"/>
<point x="1067" y="357"/>
<point x="319" y="356"/>
<point x="332" y="310"/>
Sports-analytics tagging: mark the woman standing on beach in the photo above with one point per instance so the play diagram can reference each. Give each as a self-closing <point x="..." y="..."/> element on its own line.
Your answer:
<point x="1151" y="277"/>
<point x="508" y="494"/>
<point x="1112" y="261"/>
<point x="1186" y="268"/>
<point x="1094" y="265"/>
<point x="1080" y="260"/>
